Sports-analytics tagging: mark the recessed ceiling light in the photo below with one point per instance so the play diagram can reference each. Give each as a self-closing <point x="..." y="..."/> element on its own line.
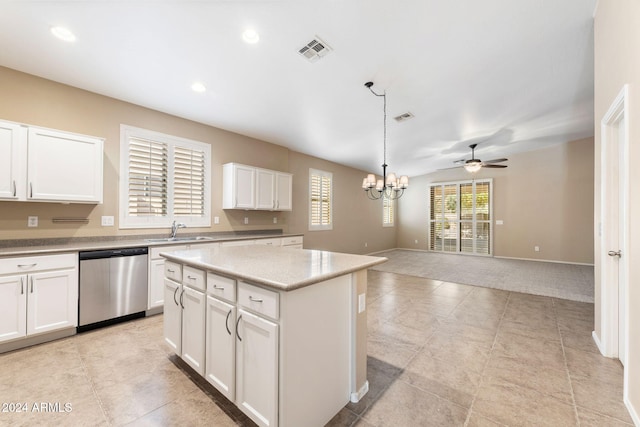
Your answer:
<point x="63" y="34"/>
<point x="198" y="87"/>
<point x="250" y="36"/>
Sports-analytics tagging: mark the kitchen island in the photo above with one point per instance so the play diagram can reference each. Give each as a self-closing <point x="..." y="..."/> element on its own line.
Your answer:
<point x="280" y="332"/>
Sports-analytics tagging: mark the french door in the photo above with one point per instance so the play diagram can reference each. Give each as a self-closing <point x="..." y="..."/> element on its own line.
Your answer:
<point x="460" y="217"/>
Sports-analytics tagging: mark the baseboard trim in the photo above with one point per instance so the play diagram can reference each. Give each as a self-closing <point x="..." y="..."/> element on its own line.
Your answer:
<point x="596" y="339"/>
<point x="545" y="260"/>
<point x="36" y="339"/>
<point x="632" y="411"/>
<point x="356" y="396"/>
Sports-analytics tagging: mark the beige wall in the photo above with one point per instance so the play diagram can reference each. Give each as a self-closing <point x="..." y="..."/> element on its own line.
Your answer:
<point x="35" y="101"/>
<point x="357" y="220"/>
<point x="544" y="197"/>
<point x="617" y="62"/>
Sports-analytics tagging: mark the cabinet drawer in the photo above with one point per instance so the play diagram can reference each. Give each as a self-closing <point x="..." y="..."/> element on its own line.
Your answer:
<point x="221" y="287"/>
<point x="22" y="265"/>
<point x="194" y="278"/>
<point x="269" y="242"/>
<point x="259" y="300"/>
<point x="289" y="241"/>
<point x="173" y="271"/>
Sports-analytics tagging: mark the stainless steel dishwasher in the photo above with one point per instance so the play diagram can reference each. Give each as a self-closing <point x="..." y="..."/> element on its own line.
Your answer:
<point x="113" y="286"/>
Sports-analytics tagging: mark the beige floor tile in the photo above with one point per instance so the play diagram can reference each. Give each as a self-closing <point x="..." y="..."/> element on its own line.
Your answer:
<point x="512" y="405"/>
<point x="548" y="381"/>
<point x="380" y="375"/>
<point x="455" y="382"/>
<point x="592" y="419"/>
<point x="476" y="420"/>
<point x="540" y="353"/>
<point x="344" y="418"/>
<point x="405" y="405"/>
<point x="456" y="351"/>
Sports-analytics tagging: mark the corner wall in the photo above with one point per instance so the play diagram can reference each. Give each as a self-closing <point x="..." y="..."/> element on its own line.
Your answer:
<point x="544" y="197"/>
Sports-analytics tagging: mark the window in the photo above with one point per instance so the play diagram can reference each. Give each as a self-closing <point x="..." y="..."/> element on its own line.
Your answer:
<point x="388" y="212"/>
<point x="460" y="217"/>
<point x="320" y="200"/>
<point x="163" y="178"/>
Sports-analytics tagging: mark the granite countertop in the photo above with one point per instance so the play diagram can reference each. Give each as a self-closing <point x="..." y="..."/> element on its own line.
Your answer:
<point x="279" y="268"/>
<point x="50" y="246"/>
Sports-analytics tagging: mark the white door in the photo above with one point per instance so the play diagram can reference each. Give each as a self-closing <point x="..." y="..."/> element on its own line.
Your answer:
<point x="283" y="192"/>
<point x="173" y="315"/>
<point x="52" y="301"/>
<point x="156" y="283"/>
<point x="613" y="229"/>
<point x="64" y="167"/>
<point x="257" y="368"/>
<point x="193" y="324"/>
<point x="13" y="307"/>
<point x="12" y="177"/>
<point x="265" y="198"/>
<point x="244" y="178"/>
<point x="220" y="368"/>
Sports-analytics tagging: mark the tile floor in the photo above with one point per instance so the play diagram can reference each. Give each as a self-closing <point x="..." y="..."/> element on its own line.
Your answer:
<point x="440" y="354"/>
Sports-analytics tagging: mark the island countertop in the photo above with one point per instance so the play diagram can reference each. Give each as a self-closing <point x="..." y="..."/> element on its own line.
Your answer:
<point x="280" y="268"/>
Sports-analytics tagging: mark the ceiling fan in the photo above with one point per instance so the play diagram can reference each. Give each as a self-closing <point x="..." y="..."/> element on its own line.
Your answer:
<point x="474" y="165"/>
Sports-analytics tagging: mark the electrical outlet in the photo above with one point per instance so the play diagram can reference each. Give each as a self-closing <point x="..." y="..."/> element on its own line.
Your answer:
<point x="536" y="248"/>
<point x="499" y="222"/>
<point x="107" y="221"/>
<point x="362" y="303"/>
<point x="366" y="244"/>
<point x="216" y="220"/>
<point x="246" y="220"/>
<point x="275" y="220"/>
<point x="32" y="221"/>
<point x="415" y="241"/>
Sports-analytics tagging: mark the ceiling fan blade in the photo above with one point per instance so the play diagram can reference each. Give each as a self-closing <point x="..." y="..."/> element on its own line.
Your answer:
<point x="454" y="167"/>
<point x="495" y="161"/>
<point x="494" y="166"/>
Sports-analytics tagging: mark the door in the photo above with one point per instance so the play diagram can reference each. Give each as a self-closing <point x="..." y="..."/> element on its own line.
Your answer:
<point x="193" y="324"/>
<point x="257" y="368"/>
<point x="173" y="315"/>
<point x="614" y="228"/>
<point x="220" y="368"/>
<point x="265" y="198"/>
<point x="13" y="307"/>
<point x="12" y="145"/>
<point x="63" y="166"/>
<point x="283" y="192"/>
<point x="52" y="301"/>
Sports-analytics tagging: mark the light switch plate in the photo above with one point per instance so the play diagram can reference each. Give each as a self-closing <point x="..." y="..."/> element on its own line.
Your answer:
<point x="246" y="220"/>
<point x="32" y="221"/>
<point x="216" y="220"/>
<point x="362" y="304"/>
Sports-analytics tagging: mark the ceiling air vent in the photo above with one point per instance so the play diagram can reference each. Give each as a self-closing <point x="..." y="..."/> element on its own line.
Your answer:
<point x="315" y="49"/>
<point x="404" y="117"/>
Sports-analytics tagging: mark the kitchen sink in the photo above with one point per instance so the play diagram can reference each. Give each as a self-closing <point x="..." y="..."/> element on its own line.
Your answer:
<point x="180" y="239"/>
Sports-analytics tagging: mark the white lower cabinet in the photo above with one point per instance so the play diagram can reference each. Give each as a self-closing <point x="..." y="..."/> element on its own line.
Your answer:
<point x="38" y="294"/>
<point x="193" y="327"/>
<point x="257" y="368"/>
<point x="173" y="315"/>
<point x="221" y="346"/>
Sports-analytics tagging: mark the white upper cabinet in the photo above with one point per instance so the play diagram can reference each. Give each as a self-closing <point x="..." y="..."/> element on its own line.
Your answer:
<point x="12" y="166"/>
<point x="266" y="195"/>
<point x="251" y="188"/>
<point x="64" y="167"/>
<point x="283" y="191"/>
<point x="46" y="165"/>
<point x="239" y="186"/>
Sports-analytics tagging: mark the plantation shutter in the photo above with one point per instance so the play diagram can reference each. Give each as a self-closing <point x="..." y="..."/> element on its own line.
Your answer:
<point x="148" y="166"/>
<point x="388" y="213"/>
<point x="188" y="182"/>
<point x="320" y="206"/>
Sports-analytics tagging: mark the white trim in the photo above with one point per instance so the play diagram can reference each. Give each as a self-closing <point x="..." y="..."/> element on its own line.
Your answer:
<point x="597" y="341"/>
<point x="356" y="396"/>
<point x="632" y="411"/>
<point x="545" y="260"/>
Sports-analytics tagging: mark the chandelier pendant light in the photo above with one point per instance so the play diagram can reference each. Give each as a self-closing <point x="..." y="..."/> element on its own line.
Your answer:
<point x="390" y="186"/>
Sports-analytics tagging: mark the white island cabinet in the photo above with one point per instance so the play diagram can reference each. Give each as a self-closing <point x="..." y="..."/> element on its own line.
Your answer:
<point x="284" y="329"/>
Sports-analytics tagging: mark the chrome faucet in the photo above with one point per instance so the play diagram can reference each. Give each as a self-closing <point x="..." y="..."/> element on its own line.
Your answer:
<point x="174" y="228"/>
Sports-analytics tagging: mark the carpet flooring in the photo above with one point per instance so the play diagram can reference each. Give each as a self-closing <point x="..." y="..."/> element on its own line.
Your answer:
<point x="557" y="280"/>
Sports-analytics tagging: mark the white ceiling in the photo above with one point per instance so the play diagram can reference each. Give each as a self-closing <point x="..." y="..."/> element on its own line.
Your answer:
<point x="511" y="75"/>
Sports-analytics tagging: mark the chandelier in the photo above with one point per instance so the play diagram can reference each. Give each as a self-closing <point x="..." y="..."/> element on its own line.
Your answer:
<point x="389" y="187"/>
